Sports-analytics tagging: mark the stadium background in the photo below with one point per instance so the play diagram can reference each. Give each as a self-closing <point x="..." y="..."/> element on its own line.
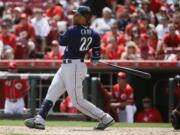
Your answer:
<point x="161" y="70"/>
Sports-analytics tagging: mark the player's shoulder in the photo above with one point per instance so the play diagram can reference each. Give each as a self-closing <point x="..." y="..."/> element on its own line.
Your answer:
<point x="95" y="34"/>
<point x="115" y="87"/>
<point x="30" y="25"/>
<point x="18" y="26"/>
<point x="72" y="29"/>
<point x="12" y="35"/>
<point x="155" y="110"/>
<point x="129" y="88"/>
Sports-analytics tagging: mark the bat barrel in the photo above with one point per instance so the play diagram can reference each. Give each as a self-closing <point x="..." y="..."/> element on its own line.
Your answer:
<point x="130" y="70"/>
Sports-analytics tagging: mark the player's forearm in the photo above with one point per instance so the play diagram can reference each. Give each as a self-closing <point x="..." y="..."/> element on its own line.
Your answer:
<point x="96" y="54"/>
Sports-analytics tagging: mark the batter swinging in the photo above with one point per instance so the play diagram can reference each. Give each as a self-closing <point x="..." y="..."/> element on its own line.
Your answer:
<point x="78" y="40"/>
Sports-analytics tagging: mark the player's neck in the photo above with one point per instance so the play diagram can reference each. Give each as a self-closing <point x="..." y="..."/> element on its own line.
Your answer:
<point x="85" y="26"/>
<point x="122" y="85"/>
<point x="146" y="109"/>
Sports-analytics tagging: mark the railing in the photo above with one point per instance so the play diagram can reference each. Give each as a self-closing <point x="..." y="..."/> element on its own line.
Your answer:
<point x="141" y="64"/>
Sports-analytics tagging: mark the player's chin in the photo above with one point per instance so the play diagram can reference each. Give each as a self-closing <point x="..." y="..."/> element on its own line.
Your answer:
<point x="75" y="23"/>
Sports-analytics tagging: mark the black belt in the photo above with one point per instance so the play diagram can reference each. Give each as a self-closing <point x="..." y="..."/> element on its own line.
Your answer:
<point x="65" y="61"/>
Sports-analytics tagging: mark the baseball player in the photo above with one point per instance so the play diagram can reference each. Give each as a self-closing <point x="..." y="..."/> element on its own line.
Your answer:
<point x="148" y="114"/>
<point x="175" y="118"/>
<point x="15" y="91"/>
<point x="123" y="94"/>
<point x="78" y="40"/>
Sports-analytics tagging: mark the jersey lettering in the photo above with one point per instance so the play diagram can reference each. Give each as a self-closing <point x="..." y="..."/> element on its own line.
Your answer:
<point x="85" y="43"/>
<point x="86" y="32"/>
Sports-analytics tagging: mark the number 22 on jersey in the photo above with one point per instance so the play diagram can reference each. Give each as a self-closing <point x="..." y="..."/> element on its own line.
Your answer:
<point x="85" y="43"/>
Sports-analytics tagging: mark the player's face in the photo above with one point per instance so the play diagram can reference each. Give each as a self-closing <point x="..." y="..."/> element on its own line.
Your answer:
<point x="24" y="21"/>
<point x="146" y="104"/>
<point x="78" y="19"/>
<point x="122" y="81"/>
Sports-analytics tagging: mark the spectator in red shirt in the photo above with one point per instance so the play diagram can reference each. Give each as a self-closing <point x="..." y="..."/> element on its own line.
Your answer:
<point x="152" y="39"/>
<point x="15" y="90"/>
<point x="54" y="11"/>
<point x="144" y="47"/>
<point x="143" y="23"/>
<point x="114" y="50"/>
<point x="123" y="96"/>
<point x="9" y="42"/>
<point x="171" y="39"/>
<point x="55" y="53"/>
<point x="171" y="44"/>
<point x="67" y="106"/>
<point x="155" y="5"/>
<point x="25" y="33"/>
<point x="113" y="33"/>
<point x="25" y="30"/>
<point x="128" y="4"/>
<point x="133" y="23"/>
<point x="135" y="34"/>
<point x="149" y="114"/>
<point x="27" y="8"/>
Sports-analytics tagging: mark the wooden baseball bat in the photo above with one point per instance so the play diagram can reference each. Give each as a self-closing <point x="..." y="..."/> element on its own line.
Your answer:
<point x="130" y="70"/>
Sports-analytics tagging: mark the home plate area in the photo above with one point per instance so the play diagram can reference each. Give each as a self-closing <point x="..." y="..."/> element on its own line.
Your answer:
<point x="21" y="130"/>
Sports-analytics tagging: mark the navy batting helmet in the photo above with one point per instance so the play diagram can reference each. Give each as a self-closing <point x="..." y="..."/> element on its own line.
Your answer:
<point x="84" y="11"/>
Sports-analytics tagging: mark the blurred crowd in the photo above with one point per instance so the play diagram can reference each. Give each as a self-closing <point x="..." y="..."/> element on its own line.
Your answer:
<point x="129" y="29"/>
